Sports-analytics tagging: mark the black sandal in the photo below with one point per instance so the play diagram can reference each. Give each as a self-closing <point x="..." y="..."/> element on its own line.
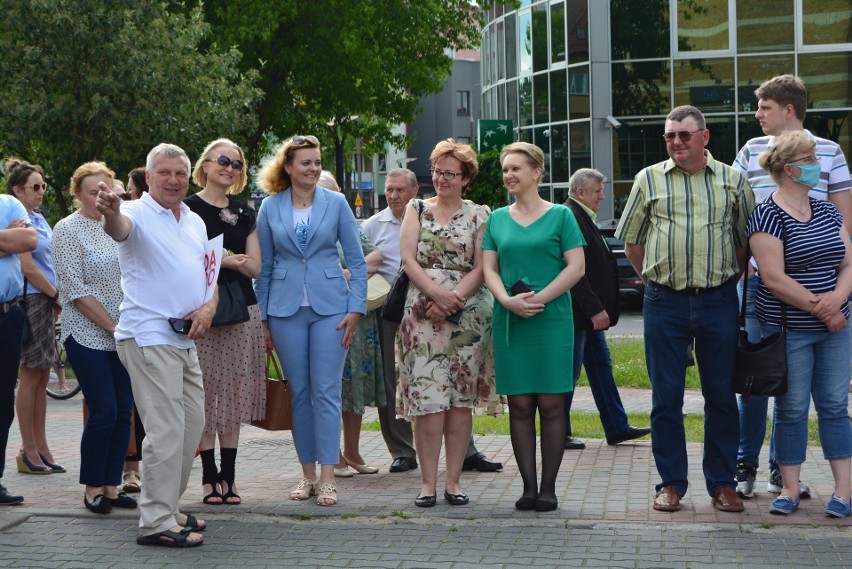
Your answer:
<point x="192" y="523"/>
<point x="170" y="538"/>
<point x="230" y="493"/>
<point x="214" y="494"/>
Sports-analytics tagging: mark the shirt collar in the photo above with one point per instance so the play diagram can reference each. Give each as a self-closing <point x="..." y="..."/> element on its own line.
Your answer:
<point x="592" y="213"/>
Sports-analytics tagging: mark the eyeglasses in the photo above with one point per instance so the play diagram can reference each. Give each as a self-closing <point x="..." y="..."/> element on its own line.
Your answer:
<point x="38" y="187"/>
<point x="683" y="135"/>
<point x="812" y="159"/>
<point x="225" y="161"/>
<point x="445" y="173"/>
<point x="301" y="140"/>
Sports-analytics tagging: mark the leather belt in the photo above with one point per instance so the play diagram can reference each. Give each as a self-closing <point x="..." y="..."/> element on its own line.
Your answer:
<point x="695" y="291"/>
<point x="7" y="306"/>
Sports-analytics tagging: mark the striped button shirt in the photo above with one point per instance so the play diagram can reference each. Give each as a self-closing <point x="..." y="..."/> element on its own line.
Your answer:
<point x="834" y="176"/>
<point x="812" y="254"/>
<point x="690" y="225"/>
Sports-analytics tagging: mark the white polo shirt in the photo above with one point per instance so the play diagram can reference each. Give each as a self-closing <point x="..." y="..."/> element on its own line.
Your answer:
<point x="383" y="229"/>
<point x="162" y="272"/>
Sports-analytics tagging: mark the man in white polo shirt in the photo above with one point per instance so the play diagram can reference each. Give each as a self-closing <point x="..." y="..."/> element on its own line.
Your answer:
<point x="161" y="246"/>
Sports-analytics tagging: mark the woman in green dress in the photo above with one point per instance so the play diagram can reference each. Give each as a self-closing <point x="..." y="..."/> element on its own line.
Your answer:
<point x="537" y="247"/>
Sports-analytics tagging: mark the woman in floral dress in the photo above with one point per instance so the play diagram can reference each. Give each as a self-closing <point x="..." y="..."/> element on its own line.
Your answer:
<point x="444" y="359"/>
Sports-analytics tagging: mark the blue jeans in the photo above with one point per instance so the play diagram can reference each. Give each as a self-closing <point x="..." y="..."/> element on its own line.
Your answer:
<point x="312" y="359"/>
<point x="818" y="366"/>
<point x="106" y="387"/>
<point x="592" y="351"/>
<point x="11" y="333"/>
<point x="753" y="413"/>
<point x="671" y="321"/>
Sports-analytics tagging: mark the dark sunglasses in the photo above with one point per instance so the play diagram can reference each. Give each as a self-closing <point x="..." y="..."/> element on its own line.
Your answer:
<point x="38" y="187"/>
<point x="684" y="135"/>
<point x="301" y="140"/>
<point x="225" y="161"/>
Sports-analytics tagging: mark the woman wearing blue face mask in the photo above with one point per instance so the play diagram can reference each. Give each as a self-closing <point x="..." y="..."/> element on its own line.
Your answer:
<point x="803" y="255"/>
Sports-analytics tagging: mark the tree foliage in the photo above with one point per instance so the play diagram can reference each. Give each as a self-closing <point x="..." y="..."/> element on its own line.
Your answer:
<point x="487" y="188"/>
<point x="325" y="62"/>
<point x="87" y="79"/>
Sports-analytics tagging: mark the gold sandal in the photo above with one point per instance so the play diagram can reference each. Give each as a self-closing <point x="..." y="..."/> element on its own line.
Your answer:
<point x="326" y="492"/>
<point x="304" y="490"/>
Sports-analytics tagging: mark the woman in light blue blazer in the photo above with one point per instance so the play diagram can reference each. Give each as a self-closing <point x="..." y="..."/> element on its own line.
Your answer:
<point x="309" y="313"/>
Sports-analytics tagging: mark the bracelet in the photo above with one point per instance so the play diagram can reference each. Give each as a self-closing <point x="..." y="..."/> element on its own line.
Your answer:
<point x="55" y="297"/>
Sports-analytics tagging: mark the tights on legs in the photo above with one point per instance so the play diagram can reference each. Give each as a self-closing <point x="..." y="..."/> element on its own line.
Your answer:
<point x="522" y="410"/>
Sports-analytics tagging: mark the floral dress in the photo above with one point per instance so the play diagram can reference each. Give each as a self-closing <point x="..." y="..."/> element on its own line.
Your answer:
<point x="441" y="364"/>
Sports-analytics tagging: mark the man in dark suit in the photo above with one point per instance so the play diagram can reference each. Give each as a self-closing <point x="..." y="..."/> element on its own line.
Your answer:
<point x="594" y="301"/>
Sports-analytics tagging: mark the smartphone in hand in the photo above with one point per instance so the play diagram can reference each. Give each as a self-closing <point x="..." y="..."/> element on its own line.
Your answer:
<point x="180" y="325"/>
<point x="519" y="287"/>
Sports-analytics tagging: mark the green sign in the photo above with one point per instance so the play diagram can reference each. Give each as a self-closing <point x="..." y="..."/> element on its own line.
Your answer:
<point x="494" y="134"/>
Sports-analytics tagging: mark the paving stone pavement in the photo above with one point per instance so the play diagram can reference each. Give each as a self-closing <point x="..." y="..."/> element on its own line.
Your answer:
<point x="605" y="517"/>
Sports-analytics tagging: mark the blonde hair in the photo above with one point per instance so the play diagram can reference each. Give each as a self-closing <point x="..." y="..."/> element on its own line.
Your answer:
<point x="273" y="178"/>
<point x="787" y="146"/>
<point x="533" y="154"/>
<point x="84" y="171"/>
<point x="200" y="176"/>
<point x="327" y="181"/>
<point x="463" y="153"/>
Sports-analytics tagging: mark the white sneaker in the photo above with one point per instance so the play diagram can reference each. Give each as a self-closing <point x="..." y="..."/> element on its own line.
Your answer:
<point x="775" y="484"/>
<point x="746" y="475"/>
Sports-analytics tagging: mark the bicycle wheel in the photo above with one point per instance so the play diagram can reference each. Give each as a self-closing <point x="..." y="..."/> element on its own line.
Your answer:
<point x="59" y="386"/>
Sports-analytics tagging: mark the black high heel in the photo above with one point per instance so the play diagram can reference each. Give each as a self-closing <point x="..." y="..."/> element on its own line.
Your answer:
<point x="27" y="467"/>
<point x="56" y="468"/>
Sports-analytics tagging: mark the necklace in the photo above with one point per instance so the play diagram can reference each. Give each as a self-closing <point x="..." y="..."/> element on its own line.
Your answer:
<point x="794" y="208"/>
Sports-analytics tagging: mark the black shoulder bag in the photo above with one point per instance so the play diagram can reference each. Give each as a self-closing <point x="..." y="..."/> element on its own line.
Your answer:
<point x="762" y="366"/>
<point x="394" y="307"/>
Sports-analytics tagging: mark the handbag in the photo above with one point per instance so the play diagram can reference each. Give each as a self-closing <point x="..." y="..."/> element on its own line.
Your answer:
<point x="279" y="407"/>
<point x="232" y="307"/>
<point x="377" y="291"/>
<point x="761" y="367"/>
<point x="394" y="307"/>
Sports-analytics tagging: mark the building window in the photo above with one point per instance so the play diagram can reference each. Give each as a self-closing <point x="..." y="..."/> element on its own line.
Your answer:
<point x="463" y="103"/>
<point x="826" y="22"/>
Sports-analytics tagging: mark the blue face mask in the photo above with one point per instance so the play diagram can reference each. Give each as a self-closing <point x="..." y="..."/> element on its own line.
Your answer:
<point x="810" y="174"/>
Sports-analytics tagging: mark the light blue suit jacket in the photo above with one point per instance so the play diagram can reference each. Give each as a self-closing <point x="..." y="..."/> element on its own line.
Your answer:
<point x="285" y="270"/>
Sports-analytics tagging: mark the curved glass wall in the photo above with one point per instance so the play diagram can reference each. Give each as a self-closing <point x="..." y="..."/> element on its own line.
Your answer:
<point x="564" y="66"/>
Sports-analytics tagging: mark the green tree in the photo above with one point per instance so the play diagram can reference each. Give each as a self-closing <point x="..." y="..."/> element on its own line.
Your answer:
<point x="487" y="188"/>
<point x="87" y="79"/>
<point x="344" y="69"/>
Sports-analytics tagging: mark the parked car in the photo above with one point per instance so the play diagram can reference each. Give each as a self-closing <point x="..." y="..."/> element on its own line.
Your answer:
<point x="629" y="284"/>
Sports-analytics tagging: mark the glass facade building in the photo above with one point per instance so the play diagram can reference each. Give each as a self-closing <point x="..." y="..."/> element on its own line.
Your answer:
<point x="591" y="81"/>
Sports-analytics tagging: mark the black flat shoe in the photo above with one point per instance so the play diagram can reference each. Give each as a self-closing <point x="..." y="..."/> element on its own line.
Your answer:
<point x="574" y="444"/>
<point x="630" y="434"/>
<point x="99" y="505"/>
<point x="425" y="501"/>
<point x="479" y="462"/>
<point x="123" y="501"/>
<point x="403" y="464"/>
<point x="456" y="499"/>
<point x="546" y="505"/>
<point x="525" y="503"/>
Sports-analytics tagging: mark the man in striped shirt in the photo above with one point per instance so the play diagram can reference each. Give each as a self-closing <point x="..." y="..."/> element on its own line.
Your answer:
<point x="684" y="232"/>
<point x="781" y="105"/>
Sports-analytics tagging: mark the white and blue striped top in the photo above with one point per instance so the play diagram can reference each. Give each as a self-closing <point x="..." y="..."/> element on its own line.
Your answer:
<point x="812" y="254"/>
<point x="834" y="175"/>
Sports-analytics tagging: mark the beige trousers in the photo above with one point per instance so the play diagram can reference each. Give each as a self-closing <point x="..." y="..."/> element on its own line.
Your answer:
<point x="169" y="395"/>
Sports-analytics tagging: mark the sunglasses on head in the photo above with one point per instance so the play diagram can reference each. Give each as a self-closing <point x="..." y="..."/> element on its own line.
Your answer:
<point x="301" y="140"/>
<point x="684" y="135"/>
<point x="225" y="161"/>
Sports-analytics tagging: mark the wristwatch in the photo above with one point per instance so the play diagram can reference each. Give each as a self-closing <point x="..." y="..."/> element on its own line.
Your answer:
<point x="55" y="297"/>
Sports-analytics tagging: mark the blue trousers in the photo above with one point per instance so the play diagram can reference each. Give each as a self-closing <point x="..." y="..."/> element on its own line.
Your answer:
<point x="106" y="387"/>
<point x="671" y="321"/>
<point x="312" y="358"/>
<point x="592" y="351"/>
<point x="11" y="332"/>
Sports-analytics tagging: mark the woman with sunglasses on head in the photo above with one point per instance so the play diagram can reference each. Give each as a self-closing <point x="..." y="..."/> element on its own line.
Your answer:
<point x="231" y="355"/>
<point x="90" y="284"/>
<point x="26" y="182"/>
<point x="443" y="348"/>
<point x="310" y="314"/>
<point x="804" y="260"/>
